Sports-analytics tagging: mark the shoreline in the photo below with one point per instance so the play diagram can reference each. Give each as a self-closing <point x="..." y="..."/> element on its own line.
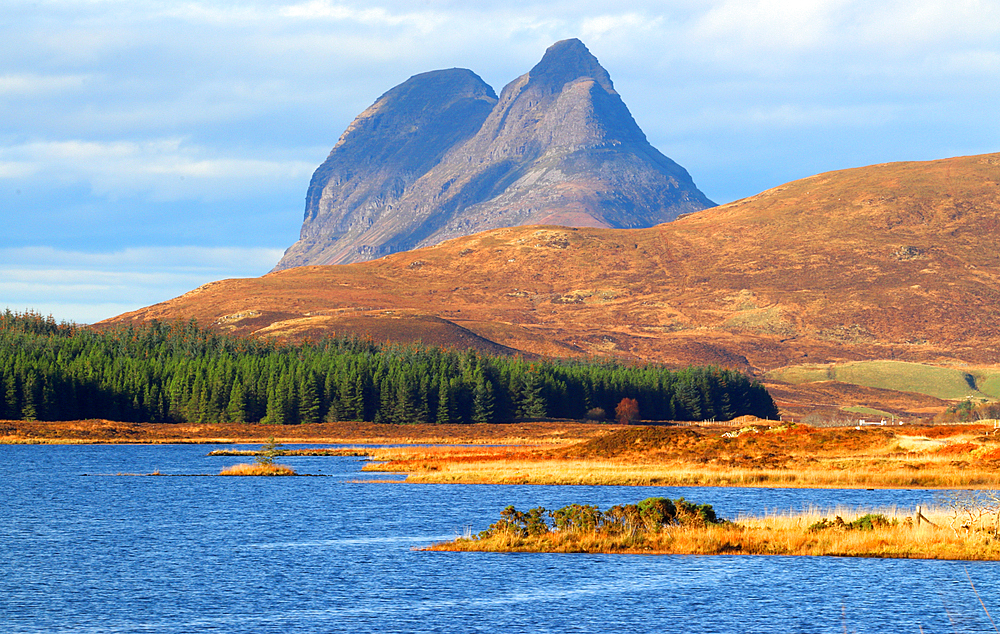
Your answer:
<point x="99" y="431"/>
<point x="568" y="453"/>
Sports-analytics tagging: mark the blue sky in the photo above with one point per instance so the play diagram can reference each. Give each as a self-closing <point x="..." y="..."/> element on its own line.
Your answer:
<point x="148" y="146"/>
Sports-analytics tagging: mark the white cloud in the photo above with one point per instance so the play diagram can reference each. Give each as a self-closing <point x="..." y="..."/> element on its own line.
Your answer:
<point x="14" y="169"/>
<point x="87" y="287"/>
<point x="424" y="21"/>
<point x="27" y="84"/>
<point x="238" y="260"/>
<point x="163" y="169"/>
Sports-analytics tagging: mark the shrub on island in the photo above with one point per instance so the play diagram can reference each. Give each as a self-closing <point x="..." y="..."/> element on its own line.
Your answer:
<point x="263" y="464"/>
<point x="258" y="470"/>
<point x="631" y="521"/>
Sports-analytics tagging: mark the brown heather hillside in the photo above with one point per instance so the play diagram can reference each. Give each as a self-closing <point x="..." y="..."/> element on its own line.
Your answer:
<point x="894" y="261"/>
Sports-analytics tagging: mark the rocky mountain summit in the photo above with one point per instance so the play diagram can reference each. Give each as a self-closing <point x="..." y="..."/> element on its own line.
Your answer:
<point x="441" y="156"/>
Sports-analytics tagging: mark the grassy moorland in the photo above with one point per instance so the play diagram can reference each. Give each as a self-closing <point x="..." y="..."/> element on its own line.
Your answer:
<point x="953" y="456"/>
<point x="955" y="532"/>
<point x="890" y="261"/>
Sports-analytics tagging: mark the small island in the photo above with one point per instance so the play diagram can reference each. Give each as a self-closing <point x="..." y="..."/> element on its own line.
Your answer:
<point x="263" y="464"/>
<point x="964" y="528"/>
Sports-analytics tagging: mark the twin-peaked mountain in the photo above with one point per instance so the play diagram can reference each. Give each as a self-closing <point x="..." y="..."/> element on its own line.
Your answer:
<point x="441" y="156"/>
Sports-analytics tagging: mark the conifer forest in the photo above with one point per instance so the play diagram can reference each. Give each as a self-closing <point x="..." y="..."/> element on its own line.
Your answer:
<point x="180" y="372"/>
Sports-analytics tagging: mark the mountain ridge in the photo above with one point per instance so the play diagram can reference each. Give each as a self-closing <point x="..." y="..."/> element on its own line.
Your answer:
<point x="557" y="146"/>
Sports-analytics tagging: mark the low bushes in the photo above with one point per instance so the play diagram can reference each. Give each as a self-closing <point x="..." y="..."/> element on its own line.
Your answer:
<point x="868" y="522"/>
<point x="651" y="515"/>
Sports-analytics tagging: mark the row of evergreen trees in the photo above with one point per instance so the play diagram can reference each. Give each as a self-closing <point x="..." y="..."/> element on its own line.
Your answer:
<point x="178" y="372"/>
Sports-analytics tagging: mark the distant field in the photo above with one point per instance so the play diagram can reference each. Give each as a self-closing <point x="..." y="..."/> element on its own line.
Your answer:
<point x="871" y="411"/>
<point x="988" y="381"/>
<point x="939" y="382"/>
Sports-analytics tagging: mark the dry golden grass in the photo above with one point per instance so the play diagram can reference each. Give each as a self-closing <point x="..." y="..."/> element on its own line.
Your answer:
<point x="258" y="470"/>
<point x="597" y="472"/>
<point x="770" y="535"/>
<point x="780" y="457"/>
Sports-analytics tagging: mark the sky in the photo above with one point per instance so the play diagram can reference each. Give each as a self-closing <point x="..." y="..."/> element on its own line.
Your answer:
<point x="151" y="146"/>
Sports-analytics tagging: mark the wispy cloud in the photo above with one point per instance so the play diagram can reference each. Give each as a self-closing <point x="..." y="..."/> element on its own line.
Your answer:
<point x="165" y="169"/>
<point x="424" y="21"/>
<point x="35" y="85"/>
<point x="143" y="258"/>
<point x="87" y="287"/>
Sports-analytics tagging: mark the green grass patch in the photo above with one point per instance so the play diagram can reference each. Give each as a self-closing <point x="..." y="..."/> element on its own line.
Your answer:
<point x="869" y="411"/>
<point x="988" y="381"/>
<point x="900" y="376"/>
<point x="797" y="374"/>
<point x="946" y="383"/>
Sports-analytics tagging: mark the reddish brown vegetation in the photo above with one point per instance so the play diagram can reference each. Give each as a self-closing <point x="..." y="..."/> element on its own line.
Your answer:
<point x="103" y="431"/>
<point x="627" y="411"/>
<point x="889" y="261"/>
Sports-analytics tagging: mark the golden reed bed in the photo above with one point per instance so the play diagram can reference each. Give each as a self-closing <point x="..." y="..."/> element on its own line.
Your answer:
<point x="781" y="456"/>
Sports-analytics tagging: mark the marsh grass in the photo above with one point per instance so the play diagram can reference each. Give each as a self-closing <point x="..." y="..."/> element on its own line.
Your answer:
<point x="795" y="456"/>
<point x="513" y="469"/>
<point x="787" y="534"/>
<point x="258" y="470"/>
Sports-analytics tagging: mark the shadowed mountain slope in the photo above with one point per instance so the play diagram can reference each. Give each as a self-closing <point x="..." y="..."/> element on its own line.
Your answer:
<point x="440" y="156"/>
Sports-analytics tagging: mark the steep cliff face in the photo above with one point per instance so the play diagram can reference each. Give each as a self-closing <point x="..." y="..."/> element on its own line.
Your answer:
<point x="440" y="156"/>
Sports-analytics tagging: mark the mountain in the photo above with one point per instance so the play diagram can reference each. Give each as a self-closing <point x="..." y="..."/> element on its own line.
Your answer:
<point x="441" y="156"/>
<point x="894" y="261"/>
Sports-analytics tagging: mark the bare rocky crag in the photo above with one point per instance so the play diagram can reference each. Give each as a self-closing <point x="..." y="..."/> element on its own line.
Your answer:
<point x="441" y="156"/>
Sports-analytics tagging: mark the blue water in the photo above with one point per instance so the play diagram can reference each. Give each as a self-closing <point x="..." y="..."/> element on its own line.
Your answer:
<point x="85" y="550"/>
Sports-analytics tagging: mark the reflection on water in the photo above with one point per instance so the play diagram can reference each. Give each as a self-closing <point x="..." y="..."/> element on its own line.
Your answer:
<point x="124" y="554"/>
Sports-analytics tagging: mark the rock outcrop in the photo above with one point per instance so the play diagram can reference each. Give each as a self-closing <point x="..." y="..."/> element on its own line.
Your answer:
<point x="440" y="156"/>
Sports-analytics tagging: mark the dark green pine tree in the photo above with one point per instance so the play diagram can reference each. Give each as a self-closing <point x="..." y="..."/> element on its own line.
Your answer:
<point x="405" y="407"/>
<point x="3" y="391"/>
<point x="532" y="400"/>
<point x="386" y="402"/>
<point x="13" y="395"/>
<point x="446" y="403"/>
<point x="236" y="410"/>
<point x="483" y="401"/>
<point x="309" y="403"/>
<point x="30" y="392"/>
<point x="277" y="402"/>
<point x="354" y="396"/>
<point x="689" y="399"/>
<point x="422" y="408"/>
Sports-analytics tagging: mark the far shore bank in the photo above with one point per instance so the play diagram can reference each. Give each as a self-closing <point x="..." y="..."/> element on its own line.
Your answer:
<point x="762" y="454"/>
<point x="112" y="432"/>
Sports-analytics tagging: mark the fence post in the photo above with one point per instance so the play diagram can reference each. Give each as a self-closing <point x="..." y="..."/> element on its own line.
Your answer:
<point x="917" y="523"/>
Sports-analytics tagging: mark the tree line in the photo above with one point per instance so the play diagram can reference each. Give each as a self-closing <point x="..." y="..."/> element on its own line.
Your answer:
<point x="180" y="372"/>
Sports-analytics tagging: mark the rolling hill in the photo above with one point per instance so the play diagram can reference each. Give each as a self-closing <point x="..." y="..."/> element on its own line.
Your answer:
<point x="893" y="261"/>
